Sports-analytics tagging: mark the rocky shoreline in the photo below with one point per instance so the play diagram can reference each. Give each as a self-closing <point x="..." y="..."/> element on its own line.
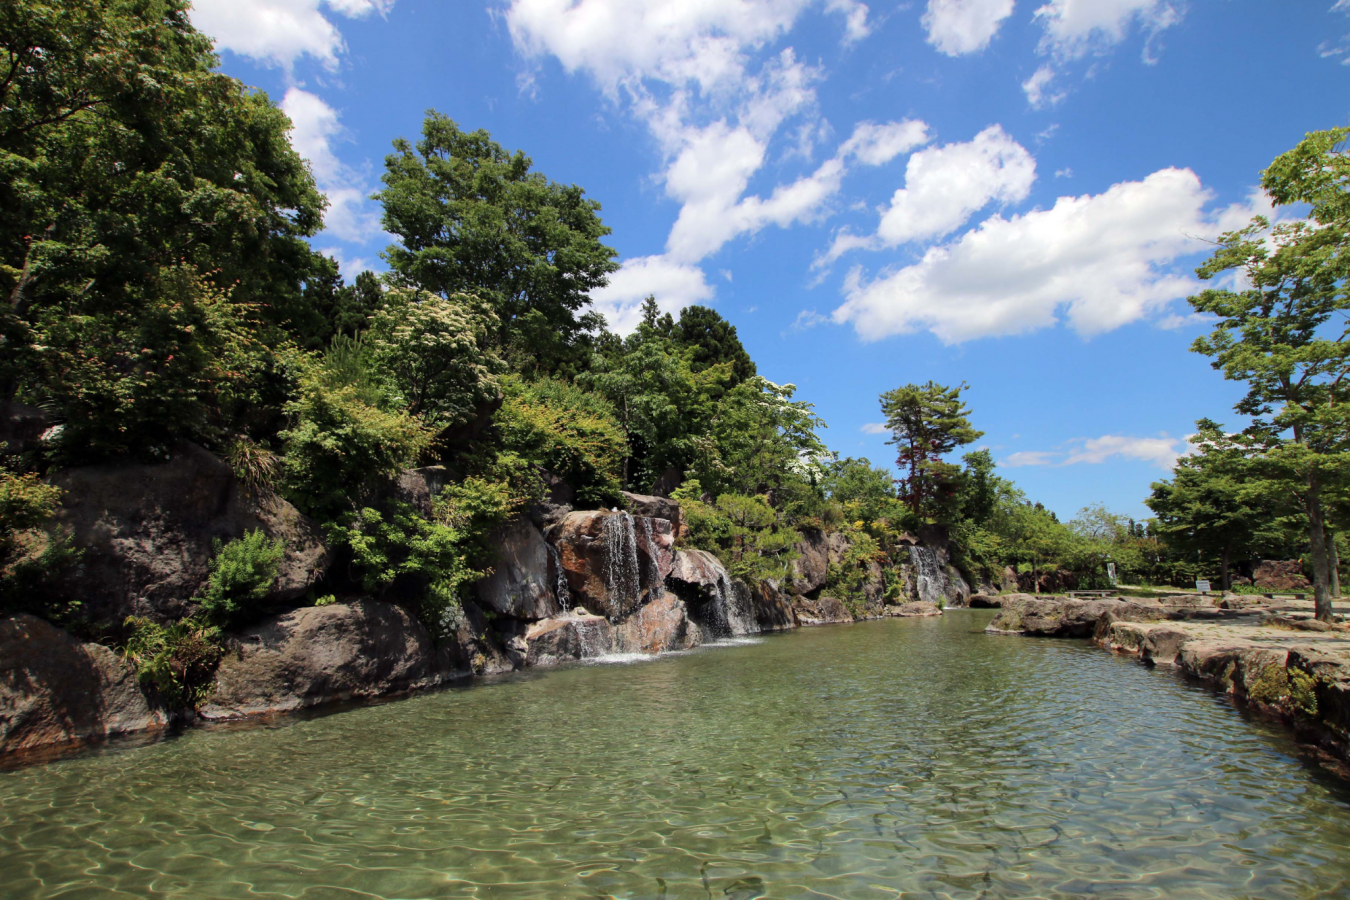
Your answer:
<point x="569" y="585"/>
<point x="1271" y="656"/>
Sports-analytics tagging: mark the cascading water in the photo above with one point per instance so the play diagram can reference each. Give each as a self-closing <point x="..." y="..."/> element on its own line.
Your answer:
<point x="929" y="581"/>
<point x="732" y="616"/>
<point x="623" y="577"/>
<point x="654" y="579"/>
<point x="560" y="589"/>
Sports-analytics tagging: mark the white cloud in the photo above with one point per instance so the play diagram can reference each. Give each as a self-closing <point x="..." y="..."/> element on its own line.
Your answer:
<point x="675" y="285"/>
<point x="958" y="27"/>
<point x="855" y="18"/>
<point x="1160" y="451"/>
<point x="875" y="145"/>
<point x="623" y="42"/>
<point x="315" y="126"/>
<point x="1037" y="88"/>
<point x="1075" y="28"/>
<point x="808" y="318"/>
<point x="1104" y="259"/>
<point x="945" y="186"/>
<point x="278" y="32"/>
<point x="1065" y="172"/>
<point x="875" y="428"/>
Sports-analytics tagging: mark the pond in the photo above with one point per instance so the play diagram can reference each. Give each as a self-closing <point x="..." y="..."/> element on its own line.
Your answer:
<point x="902" y="758"/>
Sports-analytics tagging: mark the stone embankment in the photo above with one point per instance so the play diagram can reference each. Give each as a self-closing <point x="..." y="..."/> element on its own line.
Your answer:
<point x="568" y="585"/>
<point x="1269" y="654"/>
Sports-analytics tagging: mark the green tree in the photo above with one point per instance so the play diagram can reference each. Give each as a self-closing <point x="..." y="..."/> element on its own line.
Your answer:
<point x="927" y="422"/>
<point x="474" y="219"/>
<point x="1284" y="334"/>
<point x="712" y="341"/>
<point x="130" y="171"/>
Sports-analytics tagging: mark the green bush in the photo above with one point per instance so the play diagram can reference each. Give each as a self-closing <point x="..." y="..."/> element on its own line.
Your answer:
<point x="29" y="555"/>
<point x="178" y="660"/>
<point x="570" y="432"/>
<point x="847" y="579"/>
<point x="242" y="573"/>
<point x="746" y="533"/>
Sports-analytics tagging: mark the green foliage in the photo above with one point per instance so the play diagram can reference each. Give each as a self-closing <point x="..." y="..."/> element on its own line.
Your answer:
<point x="568" y="431"/>
<point x="150" y="210"/>
<point x="347" y="437"/>
<point x="254" y="465"/>
<point x="178" y="660"/>
<point x="747" y="533"/>
<point x="712" y="341"/>
<point x="927" y="422"/>
<point x="29" y="555"/>
<point x="848" y="578"/>
<point x="472" y="218"/>
<point x="242" y="573"/>
<point x="435" y="351"/>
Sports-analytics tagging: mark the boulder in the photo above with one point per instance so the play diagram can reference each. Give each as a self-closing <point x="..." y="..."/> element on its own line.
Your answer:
<point x="1281" y="575"/>
<point x="613" y="561"/>
<point x="555" y="503"/>
<point x="522" y="579"/>
<point x="1189" y="601"/>
<point x="812" y="566"/>
<point x="323" y="654"/>
<point x="476" y="644"/>
<point x="563" y="638"/>
<point x="1055" y="617"/>
<point x="147" y="533"/>
<point x="1008" y="580"/>
<point x="995" y="601"/>
<point x="659" y="626"/>
<point x="56" y="690"/>
<point x="916" y="609"/>
<point x="419" y="487"/>
<point x="654" y="507"/>
<point x="824" y="611"/>
<point x="721" y="606"/>
<point x="1158" y="645"/>
<point x="772" y="607"/>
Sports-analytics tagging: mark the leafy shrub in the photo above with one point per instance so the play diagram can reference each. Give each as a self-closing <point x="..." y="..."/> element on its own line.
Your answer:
<point x="343" y="444"/>
<point x="254" y="465"/>
<point x="746" y="533"/>
<point x="572" y="433"/>
<point x="178" y="660"/>
<point x="848" y="578"/>
<point x="242" y="573"/>
<point x="29" y="556"/>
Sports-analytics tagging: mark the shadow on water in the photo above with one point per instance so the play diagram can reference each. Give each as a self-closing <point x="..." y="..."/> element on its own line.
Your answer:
<point x="916" y="757"/>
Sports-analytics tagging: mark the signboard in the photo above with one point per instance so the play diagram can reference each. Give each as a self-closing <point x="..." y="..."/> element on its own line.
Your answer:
<point x="1202" y="586"/>
<point x="1111" y="573"/>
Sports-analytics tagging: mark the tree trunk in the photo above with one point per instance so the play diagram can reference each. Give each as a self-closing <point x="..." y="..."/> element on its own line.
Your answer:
<point x="1317" y="537"/>
<point x="1223" y="571"/>
<point x="1333" y="563"/>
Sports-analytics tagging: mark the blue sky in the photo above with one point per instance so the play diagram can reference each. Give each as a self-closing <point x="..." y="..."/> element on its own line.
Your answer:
<point x="1010" y="193"/>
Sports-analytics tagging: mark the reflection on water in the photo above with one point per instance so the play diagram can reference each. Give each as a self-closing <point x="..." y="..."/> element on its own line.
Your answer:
<point x="913" y="758"/>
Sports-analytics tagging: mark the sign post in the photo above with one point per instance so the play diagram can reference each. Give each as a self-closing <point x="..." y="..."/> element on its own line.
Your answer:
<point x="1111" y="573"/>
<point x="1202" y="585"/>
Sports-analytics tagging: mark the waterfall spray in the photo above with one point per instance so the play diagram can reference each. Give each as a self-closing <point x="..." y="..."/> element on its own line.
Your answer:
<point x="929" y="582"/>
<point x="560" y="589"/>
<point x="623" y="578"/>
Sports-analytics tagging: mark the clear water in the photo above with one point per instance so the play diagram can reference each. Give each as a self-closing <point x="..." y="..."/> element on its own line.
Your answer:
<point x="914" y="758"/>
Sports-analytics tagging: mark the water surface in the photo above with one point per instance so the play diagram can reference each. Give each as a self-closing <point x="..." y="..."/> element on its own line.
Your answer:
<point x="913" y="758"/>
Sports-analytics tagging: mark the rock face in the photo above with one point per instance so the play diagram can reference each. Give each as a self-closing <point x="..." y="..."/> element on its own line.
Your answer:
<point x="660" y="626"/>
<point x="147" y="533"/>
<point x="613" y="561"/>
<point x="1067" y="618"/>
<point x="1281" y="575"/>
<point x="811" y="567"/>
<point x="419" y="487"/>
<point x="721" y="606"/>
<point x="565" y="638"/>
<point x="825" y="611"/>
<point x="773" y="608"/>
<point x="522" y="580"/>
<point x="322" y="654"/>
<point x="654" y="507"/>
<point x="56" y="690"/>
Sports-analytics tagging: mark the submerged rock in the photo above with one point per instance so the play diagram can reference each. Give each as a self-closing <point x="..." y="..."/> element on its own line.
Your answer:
<point x="323" y="654"/>
<point x="56" y="690"/>
<point x="824" y="611"/>
<point x="147" y="533"/>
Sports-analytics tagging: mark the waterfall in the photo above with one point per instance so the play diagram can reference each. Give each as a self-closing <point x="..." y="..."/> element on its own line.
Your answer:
<point x="732" y="615"/>
<point x="623" y="578"/>
<point x="560" y="589"/>
<point x="658" y="584"/>
<point x="929" y="582"/>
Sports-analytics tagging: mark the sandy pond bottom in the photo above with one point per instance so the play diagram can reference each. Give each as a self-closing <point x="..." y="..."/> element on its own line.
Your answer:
<point x="916" y="758"/>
